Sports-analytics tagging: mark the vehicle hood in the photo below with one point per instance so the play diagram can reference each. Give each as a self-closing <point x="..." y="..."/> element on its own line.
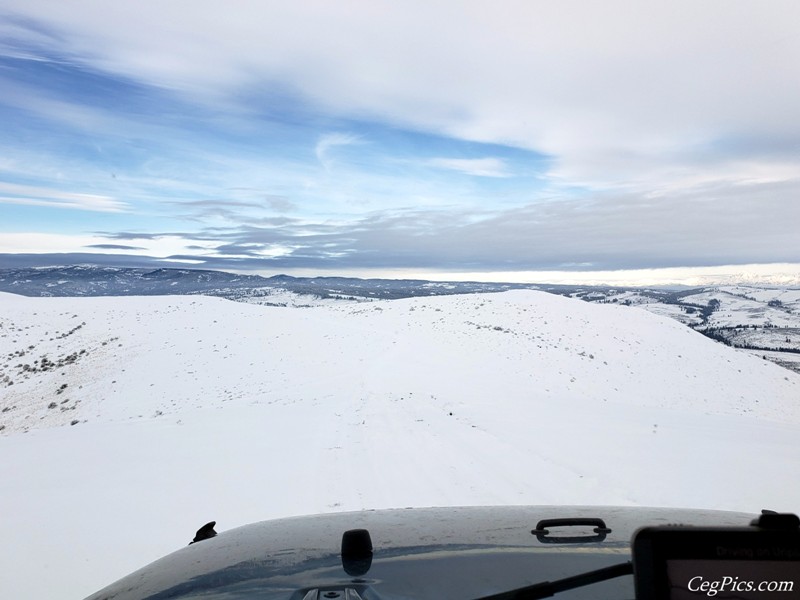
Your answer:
<point x="430" y="553"/>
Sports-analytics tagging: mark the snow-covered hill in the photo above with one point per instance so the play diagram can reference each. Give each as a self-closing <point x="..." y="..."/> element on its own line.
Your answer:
<point x="188" y="409"/>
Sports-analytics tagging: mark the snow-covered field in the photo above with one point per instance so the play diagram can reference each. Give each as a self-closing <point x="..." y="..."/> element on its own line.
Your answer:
<point x="188" y="409"/>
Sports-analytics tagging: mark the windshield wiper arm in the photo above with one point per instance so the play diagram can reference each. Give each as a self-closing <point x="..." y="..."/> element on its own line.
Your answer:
<point x="545" y="589"/>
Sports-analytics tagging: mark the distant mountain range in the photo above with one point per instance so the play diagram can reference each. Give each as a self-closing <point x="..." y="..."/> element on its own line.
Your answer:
<point x="114" y="281"/>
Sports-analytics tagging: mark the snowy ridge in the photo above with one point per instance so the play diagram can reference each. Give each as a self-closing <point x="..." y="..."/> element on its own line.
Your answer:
<point x="193" y="408"/>
<point x="126" y="358"/>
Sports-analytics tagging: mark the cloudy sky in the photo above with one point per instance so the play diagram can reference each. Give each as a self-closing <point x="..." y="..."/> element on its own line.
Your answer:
<point x="401" y="137"/>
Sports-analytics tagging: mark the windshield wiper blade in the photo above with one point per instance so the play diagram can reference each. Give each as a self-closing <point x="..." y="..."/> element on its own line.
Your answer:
<point x="545" y="589"/>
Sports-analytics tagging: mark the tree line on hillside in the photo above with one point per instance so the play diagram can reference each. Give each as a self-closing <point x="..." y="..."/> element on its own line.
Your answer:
<point x="719" y="333"/>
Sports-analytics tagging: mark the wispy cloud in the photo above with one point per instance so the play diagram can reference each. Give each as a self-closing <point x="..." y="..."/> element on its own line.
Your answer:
<point x="115" y="247"/>
<point x="329" y="141"/>
<point x="157" y="246"/>
<point x="479" y="167"/>
<point x="38" y="196"/>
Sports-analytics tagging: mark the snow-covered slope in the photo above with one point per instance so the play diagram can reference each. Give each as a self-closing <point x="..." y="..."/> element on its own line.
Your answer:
<point x="188" y="409"/>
